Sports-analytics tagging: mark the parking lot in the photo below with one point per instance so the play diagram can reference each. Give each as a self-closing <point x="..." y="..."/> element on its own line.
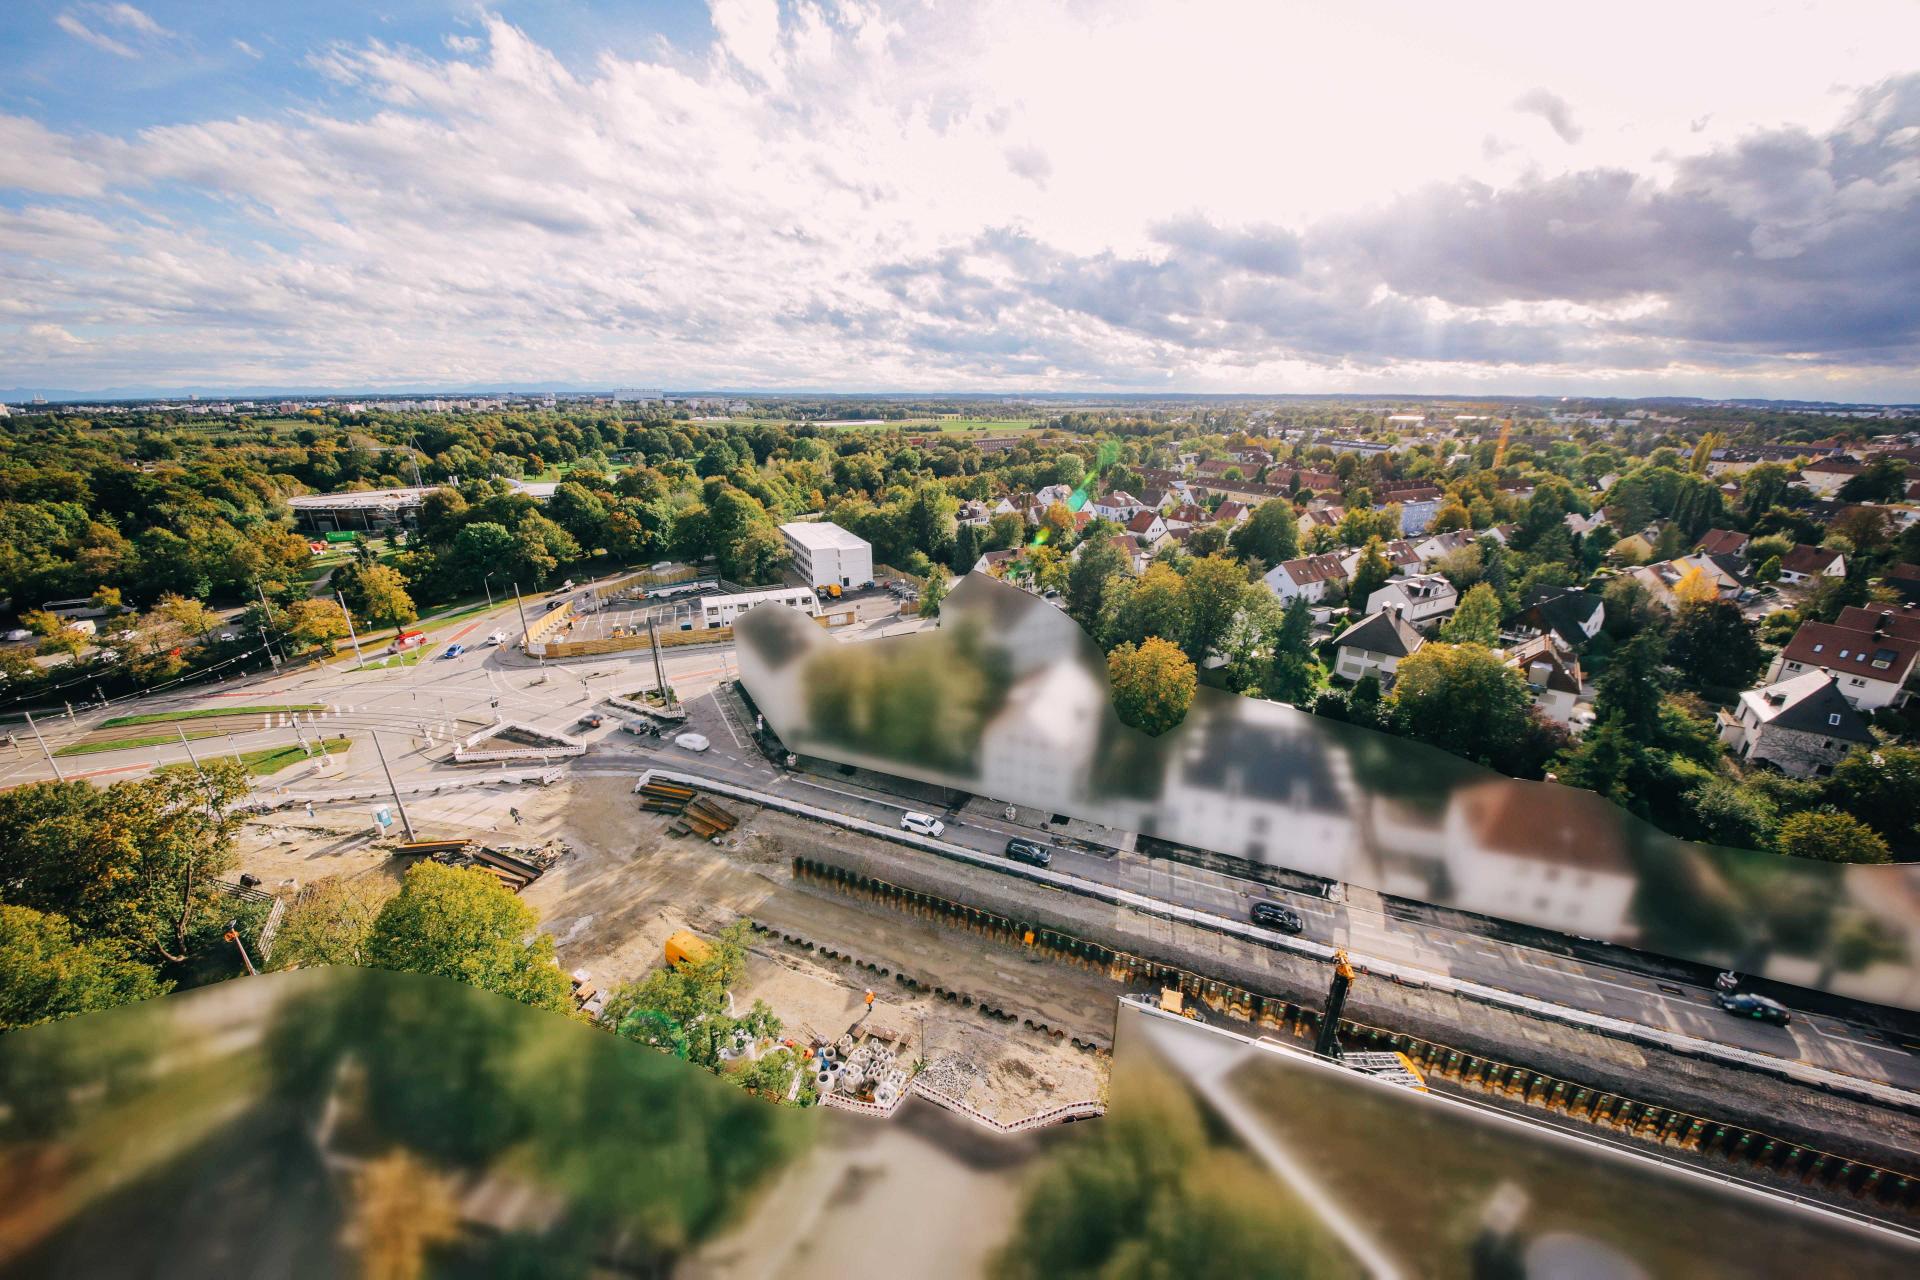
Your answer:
<point x="598" y="619"/>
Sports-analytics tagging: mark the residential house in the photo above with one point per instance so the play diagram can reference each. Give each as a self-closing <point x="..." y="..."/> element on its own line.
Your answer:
<point x="1148" y="530"/>
<point x="1723" y="542"/>
<point x="1185" y="516"/>
<point x="1553" y="675"/>
<point x="974" y="512"/>
<point x="1365" y="448"/>
<point x="1871" y="666"/>
<point x="1892" y="619"/>
<point x="1118" y="506"/>
<point x="995" y="563"/>
<point x="1399" y="553"/>
<point x="1418" y="506"/>
<point x="1827" y="476"/>
<point x="1320" y="518"/>
<point x="1158" y="499"/>
<point x="1374" y="645"/>
<point x="1801" y="725"/>
<point x="1231" y="513"/>
<point x="1583" y="526"/>
<point x="1439" y="546"/>
<point x="1423" y="599"/>
<point x="1569" y="613"/>
<point x="1803" y="564"/>
<point x="1053" y="493"/>
<point x="1309" y="576"/>
<point x="1288" y="479"/>
<point x="1662" y="577"/>
<point x="1503" y="533"/>
<point x="1542" y="855"/>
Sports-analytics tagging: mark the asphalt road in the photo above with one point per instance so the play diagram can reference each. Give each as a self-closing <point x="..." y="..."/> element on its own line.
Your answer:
<point x="419" y="711"/>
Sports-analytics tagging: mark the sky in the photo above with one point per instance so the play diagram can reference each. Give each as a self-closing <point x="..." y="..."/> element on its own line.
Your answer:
<point x="1703" y="198"/>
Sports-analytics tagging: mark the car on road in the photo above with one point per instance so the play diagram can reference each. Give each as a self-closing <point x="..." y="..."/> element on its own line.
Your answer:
<point x="453" y="651"/>
<point x="1744" y="1004"/>
<point x="1277" y="915"/>
<point x="692" y="742"/>
<point x="923" y="823"/>
<point x="497" y="637"/>
<point x="1034" y="855"/>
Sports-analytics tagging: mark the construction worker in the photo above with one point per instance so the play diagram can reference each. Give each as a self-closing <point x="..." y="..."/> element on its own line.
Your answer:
<point x="516" y="814"/>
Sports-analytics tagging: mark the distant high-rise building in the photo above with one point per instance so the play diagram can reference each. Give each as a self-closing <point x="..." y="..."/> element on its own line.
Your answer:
<point x="634" y="395"/>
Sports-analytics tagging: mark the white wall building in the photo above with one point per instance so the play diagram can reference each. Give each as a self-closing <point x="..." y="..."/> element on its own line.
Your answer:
<point x="720" y="611"/>
<point x="826" y="555"/>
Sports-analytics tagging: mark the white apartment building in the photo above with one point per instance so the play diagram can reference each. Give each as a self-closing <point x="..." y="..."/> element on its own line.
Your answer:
<point x="825" y="555"/>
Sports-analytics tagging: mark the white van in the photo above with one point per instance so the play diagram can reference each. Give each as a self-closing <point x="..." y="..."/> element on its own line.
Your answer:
<point x="923" y="823"/>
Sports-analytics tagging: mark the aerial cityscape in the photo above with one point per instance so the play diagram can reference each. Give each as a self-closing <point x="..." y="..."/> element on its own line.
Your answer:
<point x="737" y="637"/>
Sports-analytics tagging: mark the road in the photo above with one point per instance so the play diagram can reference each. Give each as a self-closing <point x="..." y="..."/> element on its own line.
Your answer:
<point x="419" y="711"/>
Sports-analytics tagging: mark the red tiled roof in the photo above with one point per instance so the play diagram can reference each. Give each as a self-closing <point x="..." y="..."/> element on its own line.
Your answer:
<point x="1808" y="560"/>
<point x="1322" y="568"/>
<point x="1889" y="619"/>
<point x="1723" y="542"/>
<point x="1852" y="651"/>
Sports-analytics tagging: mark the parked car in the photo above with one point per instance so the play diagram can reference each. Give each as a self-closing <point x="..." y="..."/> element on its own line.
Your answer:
<point x="1277" y="915"/>
<point x="591" y="720"/>
<point x="692" y="742"/>
<point x="923" y="823"/>
<point x="453" y="651"/>
<point x="1747" y="1005"/>
<point x="1034" y="855"/>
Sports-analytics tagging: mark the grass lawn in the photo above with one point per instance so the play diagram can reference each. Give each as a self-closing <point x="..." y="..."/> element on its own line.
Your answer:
<point x="129" y="744"/>
<point x="268" y="760"/>
<point x="410" y="658"/>
<point x="206" y="713"/>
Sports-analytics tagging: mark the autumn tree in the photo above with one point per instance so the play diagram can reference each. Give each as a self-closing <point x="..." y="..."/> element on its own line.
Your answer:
<point x="331" y="922"/>
<point x="1153" y="684"/>
<point x="460" y="922"/>
<point x="315" y="623"/>
<point x="1462" y="698"/>
<point x="383" y="598"/>
<point x="48" y="970"/>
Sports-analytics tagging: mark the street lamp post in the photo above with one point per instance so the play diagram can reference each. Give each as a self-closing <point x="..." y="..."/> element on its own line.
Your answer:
<point x="352" y="635"/>
<point x="489" y="590"/>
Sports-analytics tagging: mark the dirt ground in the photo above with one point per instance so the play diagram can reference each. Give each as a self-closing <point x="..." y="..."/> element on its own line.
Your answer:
<point x="626" y="884"/>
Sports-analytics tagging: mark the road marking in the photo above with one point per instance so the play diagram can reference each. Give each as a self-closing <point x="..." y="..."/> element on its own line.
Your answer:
<point x="726" y="719"/>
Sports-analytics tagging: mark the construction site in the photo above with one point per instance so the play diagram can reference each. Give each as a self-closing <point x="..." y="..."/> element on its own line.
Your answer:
<point x="904" y="975"/>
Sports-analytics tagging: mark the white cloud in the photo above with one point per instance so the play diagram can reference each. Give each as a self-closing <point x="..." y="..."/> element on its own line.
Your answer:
<point x="892" y="195"/>
<point x="79" y="30"/>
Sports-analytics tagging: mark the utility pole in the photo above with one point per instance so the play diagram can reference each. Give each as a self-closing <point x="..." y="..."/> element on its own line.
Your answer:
<point x="398" y="803"/>
<point x="526" y="634"/>
<point x="659" y="672"/>
<point x="485" y="585"/>
<point x="266" y="613"/>
<point x="351" y="634"/>
<point x="57" y="775"/>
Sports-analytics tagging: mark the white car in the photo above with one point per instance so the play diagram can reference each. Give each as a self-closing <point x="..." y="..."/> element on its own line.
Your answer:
<point x="692" y="741"/>
<point x="924" y="823"/>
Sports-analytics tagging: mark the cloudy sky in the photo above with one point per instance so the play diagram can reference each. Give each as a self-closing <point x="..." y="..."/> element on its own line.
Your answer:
<point x="1689" y="198"/>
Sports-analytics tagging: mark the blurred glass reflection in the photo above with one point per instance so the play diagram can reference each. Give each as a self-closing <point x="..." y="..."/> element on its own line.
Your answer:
<point x="1009" y="699"/>
<point x="1343" y="1175"/>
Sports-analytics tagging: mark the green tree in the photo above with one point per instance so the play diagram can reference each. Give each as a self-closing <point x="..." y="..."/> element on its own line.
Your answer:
<point x="1369" y="575"/>
<point x="1271" y="534"/>
<point x="1248" y="642"/>
<point x="1153" y="684"/>
<point x="1089" y="580"/>
<point x="682" y="1008"/>
<point x="479" y="548"/>
<point x="331" y="922"/>
<point x="1464" y="699"/>
<point x="1732" y="815"/>
<point x="460" y="922"/>
<point x="1295" y="675"/>
<point x="1215" y="590"/>
<point x="934" y="594"/>
<point x="130" y="864"/>
<point x="1881" y="787"/>
<point x="1153" y="604"/>
<point x="1713" y="647"/>
<point x="47" y="971"/>
<point x="540" y="547"/>
<point x="1630" y="691"/>
<point x="1476" y="619"/>
<point x="1825" y="836"/>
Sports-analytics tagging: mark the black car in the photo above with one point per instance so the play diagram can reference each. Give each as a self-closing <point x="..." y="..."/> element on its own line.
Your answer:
<point x="1274" y="915"/>
<point x="1747" y="1005"/>
<point x="1034" y="855"/>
